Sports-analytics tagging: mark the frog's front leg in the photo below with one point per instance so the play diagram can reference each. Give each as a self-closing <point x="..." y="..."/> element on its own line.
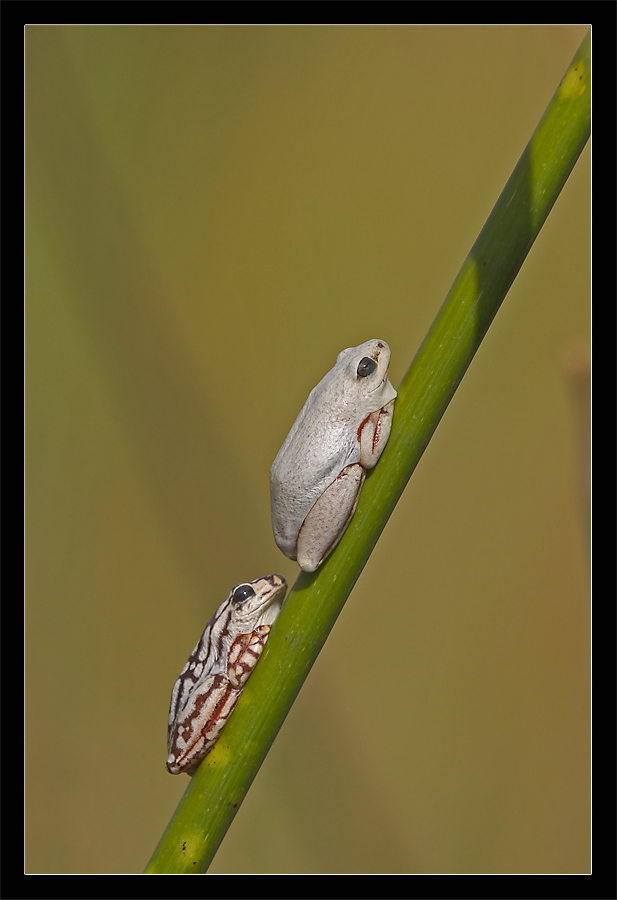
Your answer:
<point x="328" y="518"/>
<point x="373" y="434"/>
<point x="244" y="655"/>
<point x="200" y="723"/>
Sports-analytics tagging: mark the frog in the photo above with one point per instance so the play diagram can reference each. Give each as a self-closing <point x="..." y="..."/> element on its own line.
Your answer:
<point x="340" y="432"/>
<point x="211" y="683"/>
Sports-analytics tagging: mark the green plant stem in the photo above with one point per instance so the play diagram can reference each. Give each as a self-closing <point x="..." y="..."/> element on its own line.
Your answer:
<point x="216" y="791"/>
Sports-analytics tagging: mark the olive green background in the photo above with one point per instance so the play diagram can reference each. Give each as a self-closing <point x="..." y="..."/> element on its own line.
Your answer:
<point x="212" y="214"/>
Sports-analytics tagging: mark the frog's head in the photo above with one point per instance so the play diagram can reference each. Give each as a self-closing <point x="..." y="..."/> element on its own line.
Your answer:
<point x="365" y="370"/>
<point x="255" y="603"/>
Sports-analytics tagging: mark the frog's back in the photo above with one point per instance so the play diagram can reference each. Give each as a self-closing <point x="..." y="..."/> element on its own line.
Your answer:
<point x="305" y="466"/>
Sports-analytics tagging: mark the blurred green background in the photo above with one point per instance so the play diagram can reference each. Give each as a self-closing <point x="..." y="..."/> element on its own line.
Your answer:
<point x="212" y="214"/>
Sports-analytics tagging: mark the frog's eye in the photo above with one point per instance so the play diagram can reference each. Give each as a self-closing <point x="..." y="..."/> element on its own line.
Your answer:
<point x="366" y="367"/>
<point x="242" y="593"/>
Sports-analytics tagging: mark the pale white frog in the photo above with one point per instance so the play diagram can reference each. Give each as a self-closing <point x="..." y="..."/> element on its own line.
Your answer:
<point x="210" y="684"/>
<point x="341" y="431"/>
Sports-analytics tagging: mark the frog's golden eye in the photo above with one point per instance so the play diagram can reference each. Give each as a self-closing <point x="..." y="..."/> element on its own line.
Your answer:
<point x="242" y="593"/>
<point x="366" y="367"/>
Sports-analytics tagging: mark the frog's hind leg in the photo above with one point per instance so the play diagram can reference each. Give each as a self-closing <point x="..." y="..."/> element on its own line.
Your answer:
<point x="199" y="724"/>
<point x="328" y="518"/>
